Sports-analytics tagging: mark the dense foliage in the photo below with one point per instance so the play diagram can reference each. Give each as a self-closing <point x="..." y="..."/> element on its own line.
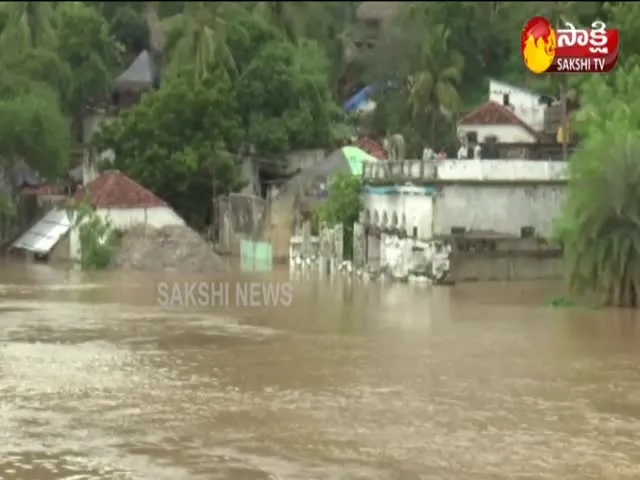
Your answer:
<point x="601" y="224"/>
<point x="98" y="239"/>
<point x="343" y="206"/>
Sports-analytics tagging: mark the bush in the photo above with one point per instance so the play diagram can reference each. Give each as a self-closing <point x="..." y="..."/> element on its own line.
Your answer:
<point x="98" y="239"/>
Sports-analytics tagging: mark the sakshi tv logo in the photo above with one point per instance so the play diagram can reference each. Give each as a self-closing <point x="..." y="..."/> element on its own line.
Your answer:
<point x="569" y="50"/>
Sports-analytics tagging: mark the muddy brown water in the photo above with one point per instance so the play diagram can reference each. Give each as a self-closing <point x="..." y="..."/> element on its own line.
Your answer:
<point x="350" y="382"/>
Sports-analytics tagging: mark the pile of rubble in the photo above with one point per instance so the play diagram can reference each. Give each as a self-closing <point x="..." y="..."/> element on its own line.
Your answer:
<point x="167" y="249"/>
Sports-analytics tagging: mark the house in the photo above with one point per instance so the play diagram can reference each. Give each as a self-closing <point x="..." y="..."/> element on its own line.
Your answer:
<point x="528" y="106"/>
<point x="515" y="123"/>
<point x="141" y="76"/>
<point x="493" y="121"/>
<point x="371" y="147"/>
<point x="115" y="197"/>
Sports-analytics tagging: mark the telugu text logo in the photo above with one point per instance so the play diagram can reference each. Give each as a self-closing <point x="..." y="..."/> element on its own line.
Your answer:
<point x="569" y="50"/>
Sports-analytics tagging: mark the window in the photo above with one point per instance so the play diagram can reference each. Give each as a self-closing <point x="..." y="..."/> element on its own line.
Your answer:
<point x="505" y="99"/>
<point x="472" y="137"/>
<point x="490" y="148"/>
<point x="415" y="232"/>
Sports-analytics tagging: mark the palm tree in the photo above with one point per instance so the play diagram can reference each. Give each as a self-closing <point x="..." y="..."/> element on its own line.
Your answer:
<point x="156" y="32"/>
<point x="433" y="84"/>
<point x="29" y="25"/>
<point x="602" y="241"/>
<point x="200" y="35"/>
<point x="288" y="17"/>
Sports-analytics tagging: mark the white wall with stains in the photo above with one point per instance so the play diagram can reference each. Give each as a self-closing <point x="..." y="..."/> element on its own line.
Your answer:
<point x="499" y="208"/>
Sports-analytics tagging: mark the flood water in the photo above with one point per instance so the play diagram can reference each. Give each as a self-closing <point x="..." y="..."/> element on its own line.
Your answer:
<point x="476" y="381"/>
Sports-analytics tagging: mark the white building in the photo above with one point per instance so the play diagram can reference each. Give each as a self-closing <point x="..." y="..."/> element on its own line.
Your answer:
<point x="408" y="208"/>
<point x="512" y="115"/>
<point x="527" y="105"/>
<point x="114" y="196"/>
<point x="496" y="195"/>
<point x="492" y="121"/>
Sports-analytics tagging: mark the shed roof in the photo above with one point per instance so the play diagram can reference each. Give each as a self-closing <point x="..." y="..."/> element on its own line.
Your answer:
<point x="46" y="233"/>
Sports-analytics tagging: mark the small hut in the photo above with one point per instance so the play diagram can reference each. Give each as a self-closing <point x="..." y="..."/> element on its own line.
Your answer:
<point x="142" y="75"/>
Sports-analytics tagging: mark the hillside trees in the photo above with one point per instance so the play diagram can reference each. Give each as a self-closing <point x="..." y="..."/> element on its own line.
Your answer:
<point x="174" y="138"/>
<point x="184" y="140"/>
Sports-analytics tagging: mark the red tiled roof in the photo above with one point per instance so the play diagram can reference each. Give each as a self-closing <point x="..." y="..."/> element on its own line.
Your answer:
<point x="492" y="113"/>
<point x="372" y="147"/>
<point x="113" y="189"/>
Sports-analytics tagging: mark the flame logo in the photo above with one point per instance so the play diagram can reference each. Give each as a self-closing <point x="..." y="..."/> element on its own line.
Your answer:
<point x="538" y="44"/>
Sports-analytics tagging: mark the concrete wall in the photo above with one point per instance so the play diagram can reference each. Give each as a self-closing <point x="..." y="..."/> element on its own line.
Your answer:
<point x="526" y="104"/>
<point x="499" y="208"/>
<point x="279" y="225"/>
<point x="304" y="158"/>
<point x="403" y="208"/>
<point x="503" y="133"/>
<point x="501" y="170"/>
<point x="124" y="218"/>
<point x="297" y="159"/>
<point x="249" y="174"/>
<point x="523" y="266"/>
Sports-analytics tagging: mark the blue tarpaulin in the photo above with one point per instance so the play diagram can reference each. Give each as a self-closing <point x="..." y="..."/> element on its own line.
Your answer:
<point x="362" y="97"/>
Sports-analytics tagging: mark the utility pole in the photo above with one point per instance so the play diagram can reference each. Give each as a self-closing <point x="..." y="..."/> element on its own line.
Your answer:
<point x="558" y="9"/>
<point x="565" y="120"/>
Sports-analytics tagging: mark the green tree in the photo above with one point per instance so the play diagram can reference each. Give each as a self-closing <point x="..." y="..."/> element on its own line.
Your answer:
<point x="433" y="86"/>
<point x="27" y="117"/>
<point x="176" y="142"/>
<point x="284" y="99"/>
<point x="600" y="227"/>
<point x="28" y="25"/>
<point x="425" y="99"/>
<point x="34" y="69"/>
<point x="91" y="52"/>
<point x="626" y="16"/>
<point x="197" y="37"/>
<point x="288" y="17"/>
<point x="98" y="238"/>
<point x="343" y="206"/>
<point x="127" y="25"/>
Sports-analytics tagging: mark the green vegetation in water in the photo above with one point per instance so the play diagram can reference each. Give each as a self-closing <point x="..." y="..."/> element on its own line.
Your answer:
<point x="600" y="227"/>
<point x="98" y="239"/>
<point x="561" y="301"/>
<point x="342" y="206"/>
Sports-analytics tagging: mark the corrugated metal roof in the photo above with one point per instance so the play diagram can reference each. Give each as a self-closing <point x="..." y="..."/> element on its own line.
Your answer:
<point x="44" y="235"/>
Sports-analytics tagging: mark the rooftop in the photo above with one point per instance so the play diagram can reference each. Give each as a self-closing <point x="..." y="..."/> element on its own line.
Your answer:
<point x="113" y="189"/>
<point x="372" y="147"/>
<point x="493" y="113"/>
<point x="140" y="75"/>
